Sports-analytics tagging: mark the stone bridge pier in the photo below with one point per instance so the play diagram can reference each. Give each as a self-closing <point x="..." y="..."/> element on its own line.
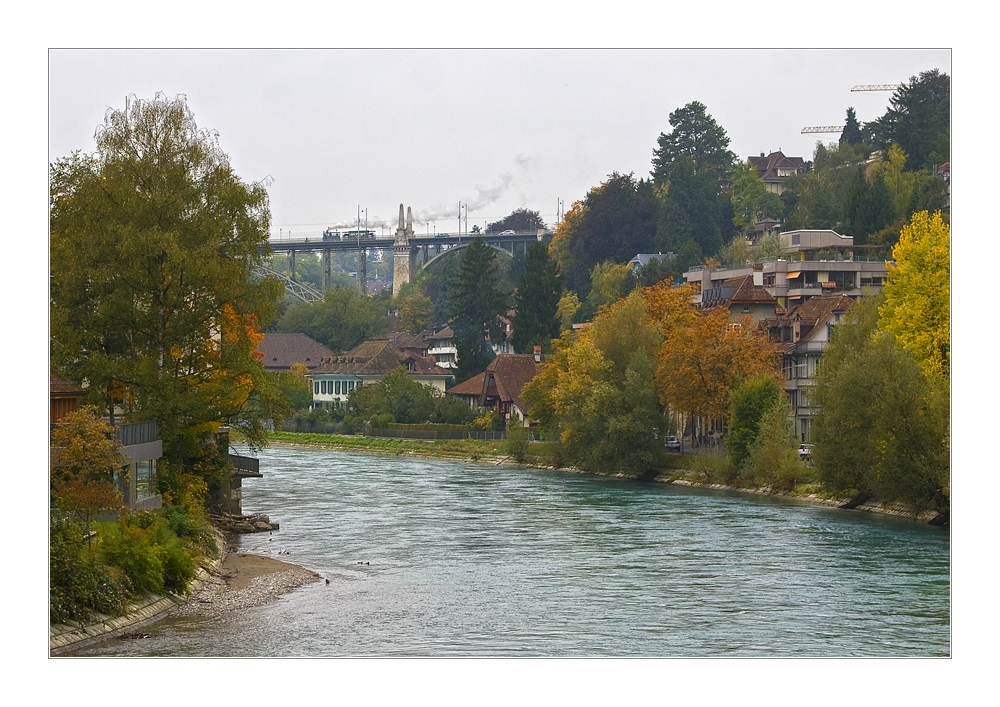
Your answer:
<point x="404" y="257"/>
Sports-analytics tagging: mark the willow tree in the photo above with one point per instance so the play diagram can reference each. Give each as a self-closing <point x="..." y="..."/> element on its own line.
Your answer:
<point x="154" y="242"/>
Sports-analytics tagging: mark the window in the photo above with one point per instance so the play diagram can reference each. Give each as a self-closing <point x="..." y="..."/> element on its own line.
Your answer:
<point x="337" y="384"/>
<point x="350" y="385"/>
<point x="317" y="388"/>
<point x="323" y="387"/>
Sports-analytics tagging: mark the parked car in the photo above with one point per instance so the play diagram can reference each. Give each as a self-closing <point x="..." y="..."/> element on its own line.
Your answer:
<point x="507" y="233"/>
<point x="805" y="451"/>
<point x="673" y="444"/>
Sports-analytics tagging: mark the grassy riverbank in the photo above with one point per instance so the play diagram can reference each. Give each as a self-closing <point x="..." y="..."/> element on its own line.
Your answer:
<point x="705" y="470"/>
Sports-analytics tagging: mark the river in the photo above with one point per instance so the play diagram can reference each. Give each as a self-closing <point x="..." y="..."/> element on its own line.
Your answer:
<point x="473" y="559"/>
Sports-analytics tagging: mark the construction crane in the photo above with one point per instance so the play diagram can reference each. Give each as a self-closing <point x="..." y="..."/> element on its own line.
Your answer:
<point x="876" y="87"/>
<point x="823" y="129"/>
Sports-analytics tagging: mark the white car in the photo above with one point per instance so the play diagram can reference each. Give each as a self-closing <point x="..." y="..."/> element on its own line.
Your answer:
<point x="805" y="451"/>
<point x="507" y="233"/>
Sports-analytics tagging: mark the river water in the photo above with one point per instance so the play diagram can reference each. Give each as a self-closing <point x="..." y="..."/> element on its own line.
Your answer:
<point x="472" y="559"/>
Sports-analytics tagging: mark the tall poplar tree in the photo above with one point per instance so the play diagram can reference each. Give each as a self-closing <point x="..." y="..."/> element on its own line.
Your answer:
<point x="154" y="240"/>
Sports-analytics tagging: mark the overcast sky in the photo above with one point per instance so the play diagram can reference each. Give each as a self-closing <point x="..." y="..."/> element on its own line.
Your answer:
<point x="497" y="130"/>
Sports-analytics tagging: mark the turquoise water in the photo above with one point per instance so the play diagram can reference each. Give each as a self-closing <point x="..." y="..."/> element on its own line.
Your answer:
<point x="474" y="559"/>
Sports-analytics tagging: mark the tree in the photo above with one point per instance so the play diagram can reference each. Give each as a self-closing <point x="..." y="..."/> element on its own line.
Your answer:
<point x="702" y="363"/>
<point x="596" y="393"/>
<point x="751" y="199"/>
<point x="478" y="302"/>
<point x="749" y="403"/>
<point x="690" y="210"/>
<point x="294" y="386"/>
<point x="618" y="220"/>
<point x="697" y="136"/>
<point x="517" y="220"/>
<point x="154" y="241"/>
<point x="340" y="321"/>
<point x="918" y="292"/>
<point x="772" y="458"/>
<point x="918" y="120"/>
<point x="880" y="432"/>
<point x="416" y="313"/>
<point x="853" y="133"/>
<point x="85" y="456"/>
<point x="536" y="302"/>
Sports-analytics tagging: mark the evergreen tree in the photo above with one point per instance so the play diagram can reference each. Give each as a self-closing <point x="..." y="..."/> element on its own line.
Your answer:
<point x="478" y="302"/>
<point x="697" y="136"/>
<point x="853" y="134"/>
<point x="689" y="211"/>
<point x="919" y="120"/>
<point x="536" y="302"/>
<point x="517" y="220"/>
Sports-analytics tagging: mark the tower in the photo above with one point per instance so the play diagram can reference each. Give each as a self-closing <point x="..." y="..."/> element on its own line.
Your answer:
<point x="402" y="254"/>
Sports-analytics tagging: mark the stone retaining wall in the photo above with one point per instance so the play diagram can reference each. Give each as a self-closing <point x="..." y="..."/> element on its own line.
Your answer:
<point x="149" y="609"/>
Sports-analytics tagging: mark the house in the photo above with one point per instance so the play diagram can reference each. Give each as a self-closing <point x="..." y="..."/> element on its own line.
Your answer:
<point x="499" y="387"/>
<point x="802" y="334"/>
<point x="365" y="364"/>
<point x="815" y="262"/>
<point x="436" y="343"/>
<point x="764" y="227"/>
<point x="642" y="259"/>
<point x="64" y="395"/>
<point x="141" y="446"/>
<point x="743" y="295"/>
<point x="775" y="168"/>
<point x="280" y="351"/>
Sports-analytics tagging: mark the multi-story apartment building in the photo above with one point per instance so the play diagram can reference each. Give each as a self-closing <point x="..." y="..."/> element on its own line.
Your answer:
<point x="815" y="262"/>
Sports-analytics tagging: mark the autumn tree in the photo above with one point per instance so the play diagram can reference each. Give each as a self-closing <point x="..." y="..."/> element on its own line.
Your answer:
<point x="536" y="302"/>
<point x="416" y="313"/>
<point x="918" y="292"/>
<point x="154" y="301"/>
<point x="701" y="364"/>
<point x="596" y="393"/>
<point x="85" y="456"/>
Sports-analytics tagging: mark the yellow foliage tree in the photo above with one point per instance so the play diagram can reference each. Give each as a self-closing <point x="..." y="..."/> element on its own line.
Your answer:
<point x="918" y="291"/>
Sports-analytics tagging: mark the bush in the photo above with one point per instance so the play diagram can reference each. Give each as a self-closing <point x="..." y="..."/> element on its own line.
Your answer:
<point x="79" y="585"/>
<point x="518" y="439"/>
<point x="382" y="420"/>
<point x="131" y="549"/>
<point x="179" y="567"/>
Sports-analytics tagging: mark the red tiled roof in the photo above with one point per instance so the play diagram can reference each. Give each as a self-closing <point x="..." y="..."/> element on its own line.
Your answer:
<point x="471" y="387"/>
<point x="511" y="372"/>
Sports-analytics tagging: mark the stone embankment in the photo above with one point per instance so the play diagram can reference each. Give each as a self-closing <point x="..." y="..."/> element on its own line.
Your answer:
<point x="241" y="524"/>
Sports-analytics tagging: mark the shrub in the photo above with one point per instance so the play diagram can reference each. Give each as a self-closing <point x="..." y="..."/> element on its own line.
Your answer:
<point x="79" y="585"/>
<point x="518" y="439"/>
<point x="179" y="566"/>
<point x="131" y="549"/>
<point x="382" y="420"/>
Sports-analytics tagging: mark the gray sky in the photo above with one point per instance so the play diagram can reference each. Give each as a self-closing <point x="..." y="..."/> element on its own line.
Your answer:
<point x="497" y="130"/>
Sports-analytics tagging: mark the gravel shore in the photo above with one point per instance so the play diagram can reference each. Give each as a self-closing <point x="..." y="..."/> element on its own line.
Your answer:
<point x="243" y="581"/>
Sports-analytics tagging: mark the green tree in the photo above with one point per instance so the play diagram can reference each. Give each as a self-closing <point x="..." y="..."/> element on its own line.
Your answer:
<point x="880" y="432"/>
<point x="918" y="120"/>
<point x="690" y="210"/>
<point x="294" y="386"/>
<point x="772" y="458"/>
<point x="478" y="303"/>
<point x="416" y="313"/>
<point x="517" y="220"/>
<point x="536" y="302"/>
<point x="697" y="136"/>
<point x="340" y="321"/>
<point x="748" y="405"/>
<point x="154" y="240"/>
<point x="751" y="199"/>
<point x="853" y="133"/>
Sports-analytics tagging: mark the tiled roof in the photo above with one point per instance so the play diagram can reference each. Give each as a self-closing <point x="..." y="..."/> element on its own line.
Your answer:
<point x="473" y="386"/>
<point x="282" y="350"/>
<point x="61" y="386"/>
<point x="511" y="373"/>
<point x="378" y="357"/>
<point x="767" y="167"/>
<point x="744" y="290"/>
